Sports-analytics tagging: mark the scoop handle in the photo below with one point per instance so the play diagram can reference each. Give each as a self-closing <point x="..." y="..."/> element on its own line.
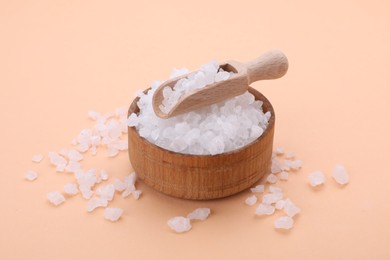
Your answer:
<point x="270" y="65"/>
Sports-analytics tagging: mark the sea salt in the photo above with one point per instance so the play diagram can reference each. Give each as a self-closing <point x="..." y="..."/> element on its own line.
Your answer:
<point x="199" y="214"/>
<point x="251" y="200"/>
<point x="283" y="175"/>
<point x="55" y="198"/>
<point x="279" y="150"/>
<point x="289" y="155"/>
<point x="113" y="214"/>
<point x="258" y="189"/>
<point x="106" y="192"/>
<point x="31" y="175"/>
<point x="179" y="224"/>
<point x="340" y="174"/>
<point x="280" y="204"/>
<point x="272" y="178"/>
<point x="316" y="178"/>
<point x="95" y="203"/>
<point x="270" y="198"/>
<point x="71" y="189"/>
<point x="37" y="158"/>
<point x="265" y="209"/>
<point x="290" y="208"/>
<point x="104" y="175"/>
<point x="284" y="222"/>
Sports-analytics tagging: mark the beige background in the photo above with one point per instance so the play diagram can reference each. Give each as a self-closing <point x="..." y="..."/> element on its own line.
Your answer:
<point x="59" y="59"/>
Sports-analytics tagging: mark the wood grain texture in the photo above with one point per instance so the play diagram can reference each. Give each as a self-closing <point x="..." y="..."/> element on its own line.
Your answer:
<point x="202" y="177"/>
<point x="271" y="65"/>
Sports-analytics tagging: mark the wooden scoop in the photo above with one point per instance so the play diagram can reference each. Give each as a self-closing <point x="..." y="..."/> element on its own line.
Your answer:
<point x="271" y="65"/>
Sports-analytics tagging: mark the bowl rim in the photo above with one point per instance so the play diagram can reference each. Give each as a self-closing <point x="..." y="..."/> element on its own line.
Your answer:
<point x="271" y="122"/>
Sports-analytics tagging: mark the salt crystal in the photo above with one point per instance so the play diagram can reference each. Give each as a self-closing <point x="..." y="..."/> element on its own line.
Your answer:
<point x="179" y="224"/>
<point x="113" y="214"/>
<point x="275" y="189"/>
<point x="316" y="178"/>
<point x="136" y="194"/>
<point x="280" y="204"/>
<point x="71" y="188"/>
<point x="290" y="208"/>
<point x="265" y="209"/>
<point x="279" y="150"/>
<point x="289" y="155"/>
<point x="55" y="198"/>
<point x="283" y="175"/>
<point x="271" y="198"/>
<point x="258" y="189"/>
<point x="271" y="178"/>
<point x="74" y="155"/>
<point x="37" y="158"/>
<point x="199" y="214"/>
<point x="57" y="160"/>
<point x="340" y="174"/>
<point x="275" y="166"/>
<point x="95" y="203"/>
<point x="284" y="222"/>
<point x="119" y="185"/>
<point x="251" y="200"/>
<point x="107" y="192"/>
<point x="31" y="175"/>
<point x="112" y="152"/>
<point x="294" y="164"/>
<point x="104" y="175"/>
<point x="133" y="120"/>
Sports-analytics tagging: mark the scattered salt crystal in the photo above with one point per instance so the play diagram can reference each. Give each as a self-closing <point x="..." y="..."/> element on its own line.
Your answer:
<point x="113" y="214"/>
<point x="279" y="150"/>
<point x="271" y="178"/>
<point x="265" y="209"/>
<point x="37" y="158"/>
<point x="71" y="188"/>
<point x="95" y="203"/>
<point x="104" y="175"/>
<point x="55" y="198"/>
<point x="258" y="189"/>
<point x="136" y="194"/>
<point x="275" y="166"/>
<point x="31" y="175"/>
<point x="199" y="214"/>
<point x="119" y="185"/>
<point x="289" y="155"/>
<point x="74" y="155"/>
<point x="179" y="224"/>
<point x="290" y="208"/>
<point x="271" y="198"/>
<point x="284" y="222"/>
<point x="316" y="178"/>
<point x="112" y="152"/>
<point x="275" y="189"/>
<point x="293" y="164"/>
<point x="251" y="200"/>
<point x="340" y="174"/>
<point x="283" y="175"/>
<point x="107" y="192"/>
<point x="280" y="204"/>
<point x="58" y="161"/>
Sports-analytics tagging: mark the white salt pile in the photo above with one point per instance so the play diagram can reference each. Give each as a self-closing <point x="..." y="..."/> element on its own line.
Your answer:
<point x="37" y="158"/>
<point x="113" y="214"/>
<point x="284" y="222"/>
<point x="340" y="174"/>
<point x="251" y="200"/>
<point x="216" y="129"/>
<point x="71" y="189"/>
<point x="55" y="198"/>
<point x="31" y="175"/>
<point x="182" y="224"/>
<point x="208" y="74"/>
<point x="316" y="178"/>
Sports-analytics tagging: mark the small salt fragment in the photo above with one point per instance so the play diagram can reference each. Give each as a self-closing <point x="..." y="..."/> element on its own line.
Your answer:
<point x="290" y="208"/>
<point x="95" y="203"/>
<point x="179" y="224"/>
<point x="280" y="204"/>
<point x="55" y="198"/>
<point x="258" y="189"/>
<point x="31" y="175"/>
<point x="71" y="189"/>
<point x="283" y="175"/>
<point x="289" y="155"/>
<point x="37" y="158"/>
<point x="113" y="214"/>
<point x="316" y="178"/>
<point x="136" y="194"/>
<point x="119" y="185"/>
<point x="271" y="198"/>
<point x="104" y="175"/>
<point x="295" y="164"/>
<point x="284" y="222"/>
<point x="340" y="174"/>
<point x="279" y="150"/>
<point x="271" y="178"/>
<point x="275" y="189"/>
<point x="74" y="155"/>
<point x="265" y="209"/>
<point x="107" y="192"/>
<point x="199" y="214"/>
<point x="112" y="152"/>
<point x="275" y="166"/>
<point x="251" y="200"/>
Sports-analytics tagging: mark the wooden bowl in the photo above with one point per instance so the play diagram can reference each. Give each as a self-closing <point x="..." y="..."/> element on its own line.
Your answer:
<point x="202" y="177"/>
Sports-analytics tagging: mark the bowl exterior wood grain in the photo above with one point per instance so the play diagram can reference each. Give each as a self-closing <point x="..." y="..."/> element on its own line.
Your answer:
<point x="202" y="177"/>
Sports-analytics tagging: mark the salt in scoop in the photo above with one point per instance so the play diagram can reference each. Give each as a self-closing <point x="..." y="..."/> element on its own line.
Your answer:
<point x="271" y="65"/>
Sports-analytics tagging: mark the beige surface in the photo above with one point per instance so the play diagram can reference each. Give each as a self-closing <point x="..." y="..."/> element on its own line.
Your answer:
<point x="59" y="59"/>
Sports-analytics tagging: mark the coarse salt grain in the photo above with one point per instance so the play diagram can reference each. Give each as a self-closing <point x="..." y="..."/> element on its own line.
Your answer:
<point x="113" y="214"/>
<point x="179" y="224"/>
<point x="95" y="203"/>
<point x="340" y="174"/>
<point x="251" y="200"/>
<point x="290" y="208"/>
<point x="280" y="204"/>
<point x="31" y="175"/>
<point x="258" y="189"/>
<point x="265" y="209"/>
<point x="199" y="214"/>
<point x="71" y="189"/>
<point x="279" y="150"/>
<point x="316" y="178"/>
<point x="104" y="175"/>
<point x="37" y="158"/>
<point x="272" y="178"/>
<point x="284" y="222"/>
<point x="55" y="198"/>
<point x="283" y="175"/>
